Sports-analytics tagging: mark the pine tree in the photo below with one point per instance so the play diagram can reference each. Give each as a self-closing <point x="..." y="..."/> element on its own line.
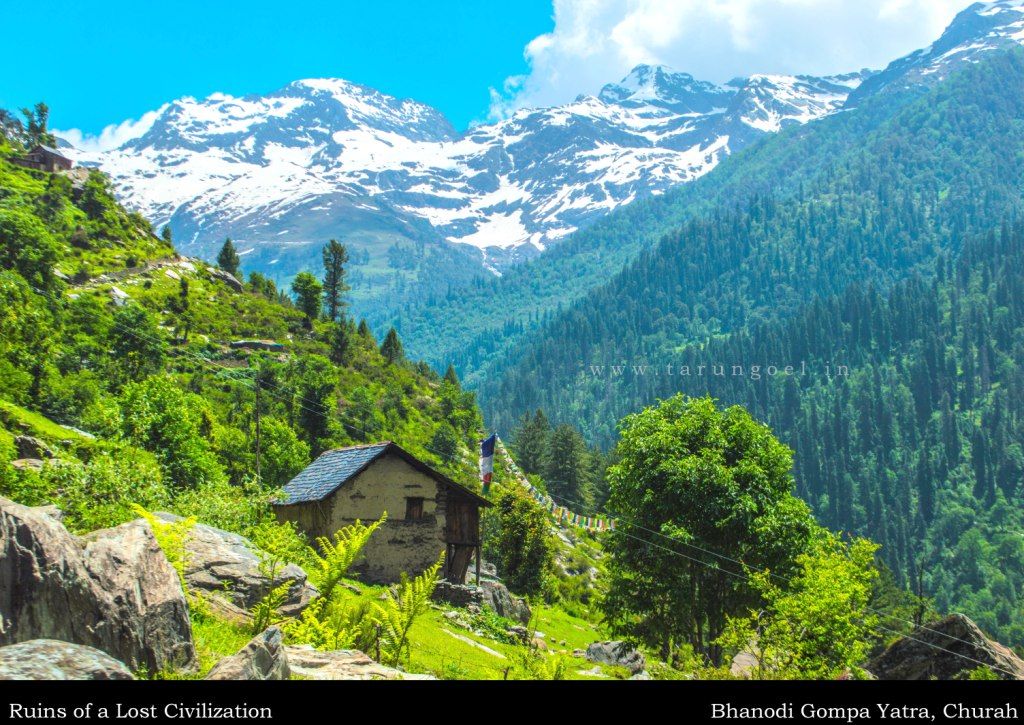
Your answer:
<point x="530" y="442"/>
<point x="450" y="376"/>
<point x="391" y="348"/>
<point x="165" y="234"/>
<point x="567" y="468"/>
<point x="335" y="258"/>
<point x="228" y="259"/>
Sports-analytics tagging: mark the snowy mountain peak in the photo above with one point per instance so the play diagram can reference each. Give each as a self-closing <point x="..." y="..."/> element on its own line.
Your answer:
<point x="325" y="157"/>
<point x="659" y="86"/>
<point x="973" y="33"/>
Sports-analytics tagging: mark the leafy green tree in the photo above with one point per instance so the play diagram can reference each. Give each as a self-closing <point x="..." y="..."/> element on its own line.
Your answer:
<point x="283" y="454"/>
<point x="137" y="344"/>
<point x="391" y="348"/>
<point x="228" y="259"/>
<point x="314" y="379"/>
<point x="307" y="290"/>
<point x="27" y="247"/>
<point x="701" y="477"/>
<point x="335" y="258"/>
<point x="157" y="415"/>
<point x="445" y="444"/>
<point x="816" y="626"/>
<point x="165" y="234"/>
<point x="518" y="541"/>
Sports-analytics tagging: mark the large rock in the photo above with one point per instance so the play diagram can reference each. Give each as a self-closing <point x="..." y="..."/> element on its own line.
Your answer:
<point x="497" y="597"/>
<point x="50" y="659"/>
<point x="31" y="447"/>
<point x="619" y="654"/>
<point x="944" y="651"/>
<point x="262" y="659"/>
<point x="113" y="590"/>
<point x="458" y="595"/>
<point x="225" y="564"/>
<point x="344" y="664"/>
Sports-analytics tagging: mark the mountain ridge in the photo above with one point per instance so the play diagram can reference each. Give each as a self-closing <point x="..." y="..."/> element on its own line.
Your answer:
<point x="333" y="149"/>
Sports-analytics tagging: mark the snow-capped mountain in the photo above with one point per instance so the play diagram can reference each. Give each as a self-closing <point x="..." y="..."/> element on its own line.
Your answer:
<point x="974" y="32"/>
<point x="328" y="158"/>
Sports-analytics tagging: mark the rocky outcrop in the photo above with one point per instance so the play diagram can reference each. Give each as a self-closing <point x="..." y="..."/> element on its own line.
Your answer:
<point x="458" y="595"/>
<point x="113" y="590"/>
<point x="49" y="659"/>
<point x="618" y="654"/>
<point x="224" y="564"/>
<point x="262" y="659"/>
<point x="31" y="447"/>
<point x="227" y="278"/>
<point x="497" y="596"/>
<point x="345" y="664"/>
<point x="945" y="650"/>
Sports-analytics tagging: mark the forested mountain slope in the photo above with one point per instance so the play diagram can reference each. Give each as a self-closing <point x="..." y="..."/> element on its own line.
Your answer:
<point x="475" y="325"/>
<point x="860" y="263"/>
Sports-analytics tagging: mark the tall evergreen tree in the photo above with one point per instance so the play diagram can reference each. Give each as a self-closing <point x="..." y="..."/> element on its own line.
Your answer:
<point x="335" y="257"/>
<point x="567" y="468"/>
<point x="391" y="348"/>
<point x="228" y="258"/>
<point x="531" y="441"/>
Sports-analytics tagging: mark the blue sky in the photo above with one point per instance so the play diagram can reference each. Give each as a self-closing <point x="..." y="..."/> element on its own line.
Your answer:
<point x="101" y="63"/>
<point x="106" y="65"/>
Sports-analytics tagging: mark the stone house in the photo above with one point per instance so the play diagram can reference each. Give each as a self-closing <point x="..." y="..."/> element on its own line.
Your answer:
<point x="428" y="513"/>
<point x="44" y="158"/>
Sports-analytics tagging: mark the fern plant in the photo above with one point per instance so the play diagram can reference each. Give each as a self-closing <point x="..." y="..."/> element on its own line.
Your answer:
<point x="265" y="612"/>
<point x="332" y="626"/>
<point x="399" y="610"/>
<point x="170" y="536"/>
<point x="336" y="557"/>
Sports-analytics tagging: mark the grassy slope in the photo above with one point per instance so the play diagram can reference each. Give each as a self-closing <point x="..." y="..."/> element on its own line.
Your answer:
<point x="127" y="255"/>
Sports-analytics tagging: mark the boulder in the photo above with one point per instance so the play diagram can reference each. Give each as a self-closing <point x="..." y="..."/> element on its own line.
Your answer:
<point x="458" y="595"/>
<point x="945" y="650"/>
<point x="31" y="447"/>
<point x="128" y="563"/>
<point x="50" y="659"/>
<point x="113" y="590"/>
<point x="27" y="464"/>
<point x="619" y="654"/>
<point x="225" y="564"/>
<point x="262" y="659"/>
<point x="345" y="664"/>
<point x="227" y="278"/>
<point x="743" y="664"/>
<point x="50" y="510"/>
<point x="497" y="596"/>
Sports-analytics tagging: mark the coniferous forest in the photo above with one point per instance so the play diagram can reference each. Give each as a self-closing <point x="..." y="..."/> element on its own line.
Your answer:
<point x="906" y="420"/>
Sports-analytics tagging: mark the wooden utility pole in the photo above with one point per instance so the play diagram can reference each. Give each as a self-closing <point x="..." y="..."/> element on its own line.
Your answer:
<point x="259" y="474"/>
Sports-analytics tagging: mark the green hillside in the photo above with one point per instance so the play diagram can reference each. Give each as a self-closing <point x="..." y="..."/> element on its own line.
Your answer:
<point x="897" y="256"/>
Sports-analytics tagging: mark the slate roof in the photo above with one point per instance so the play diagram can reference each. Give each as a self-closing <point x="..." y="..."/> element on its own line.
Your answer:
<point x="50" y="150"/>
<point x="334" y="468"/>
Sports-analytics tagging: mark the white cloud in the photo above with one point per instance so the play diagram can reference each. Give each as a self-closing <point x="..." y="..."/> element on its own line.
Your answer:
<point x="597" y="41"/>
<point x="113" y="135"/>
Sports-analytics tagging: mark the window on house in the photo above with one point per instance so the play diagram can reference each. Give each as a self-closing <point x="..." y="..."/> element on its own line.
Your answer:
<point x="413" y="509"/>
